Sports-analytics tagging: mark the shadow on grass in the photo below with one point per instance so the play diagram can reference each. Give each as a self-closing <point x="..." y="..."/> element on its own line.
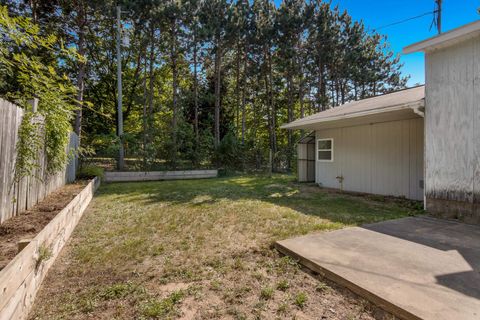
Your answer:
<point x="280" y="190"/>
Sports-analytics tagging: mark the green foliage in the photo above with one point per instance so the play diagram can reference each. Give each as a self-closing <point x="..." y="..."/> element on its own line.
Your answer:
<point x="90" y="171"/>
<point x="260" y="64"/>
<point x="283" y="285"/>
<point x="31" y="62"/>
<point x="229" y="153"/>
<point x="29" y="143"/>
<point x="266" y="293"/>
<point x="159" y="309"/>
<point x="44" y="253"/>
<point x="300" y="300"/>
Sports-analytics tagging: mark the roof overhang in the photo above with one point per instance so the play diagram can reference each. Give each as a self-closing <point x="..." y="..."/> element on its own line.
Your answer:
<point x="446" y="39"/>
<point x="406" y="104"/>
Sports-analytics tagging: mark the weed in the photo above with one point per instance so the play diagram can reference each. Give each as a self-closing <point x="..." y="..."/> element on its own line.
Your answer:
<point x="300" y="300"/>
<point x="266" y="293"/>
<point x="216" y="285"/>
<point x="120" y="290"/>
<point x="258" y="276"/>
<point x="322" y="287"/>
<point x="44" y="254"/>
<point x="238" y="264"/>
<point x="87" y="304"/>
<point x="283" y="285"/>
<point x="282" y="308"/>
<point x="162" y="308"/>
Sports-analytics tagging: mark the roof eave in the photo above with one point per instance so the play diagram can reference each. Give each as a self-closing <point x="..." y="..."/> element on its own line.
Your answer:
<point x="445" y="39"/>
<point x="307" y="123"/>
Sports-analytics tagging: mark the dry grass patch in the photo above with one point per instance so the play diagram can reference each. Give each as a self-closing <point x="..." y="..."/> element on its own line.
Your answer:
<point x="202" y="249"/>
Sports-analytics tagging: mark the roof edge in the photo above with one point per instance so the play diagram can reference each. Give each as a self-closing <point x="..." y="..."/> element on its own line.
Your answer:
<point x="409" y="105"/>
<point x="454" y="35"/>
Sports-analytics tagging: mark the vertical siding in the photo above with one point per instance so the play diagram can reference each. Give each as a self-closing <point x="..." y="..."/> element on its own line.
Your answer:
<point x="326" y="172"/>
<point x="382" y="158"/>
<point x="452" y="122"/>
<point x="357" y="166"/>
<point x="476" y="125"/>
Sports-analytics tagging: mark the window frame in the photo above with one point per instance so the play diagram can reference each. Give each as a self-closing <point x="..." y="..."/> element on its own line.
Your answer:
<point x="331" y="150"/>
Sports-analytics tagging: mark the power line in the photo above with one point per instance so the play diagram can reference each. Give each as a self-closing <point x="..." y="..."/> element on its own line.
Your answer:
<point x="405" y="20"/>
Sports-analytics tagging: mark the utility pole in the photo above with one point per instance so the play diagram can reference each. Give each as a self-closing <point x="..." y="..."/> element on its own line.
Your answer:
<point x="438" y="10"/>
<point x="121" y="159"/>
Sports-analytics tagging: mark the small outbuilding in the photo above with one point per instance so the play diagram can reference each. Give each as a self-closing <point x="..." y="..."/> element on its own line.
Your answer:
<point x="373" y="145"/>
<point x="421" y="143"/>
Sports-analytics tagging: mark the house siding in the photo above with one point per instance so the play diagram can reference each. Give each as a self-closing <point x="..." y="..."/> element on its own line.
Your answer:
<point x="381" y="158"/>
<point x="453" y="131"/>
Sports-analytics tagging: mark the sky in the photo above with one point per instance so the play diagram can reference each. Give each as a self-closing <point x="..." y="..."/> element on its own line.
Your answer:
<point x="377" y="13"/>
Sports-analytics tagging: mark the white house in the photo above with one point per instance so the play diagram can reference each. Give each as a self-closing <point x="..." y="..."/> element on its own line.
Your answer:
<point x="421" y="143"/>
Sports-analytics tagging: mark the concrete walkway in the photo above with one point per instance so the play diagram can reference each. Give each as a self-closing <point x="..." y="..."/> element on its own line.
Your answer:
<point x="416" y="268"/>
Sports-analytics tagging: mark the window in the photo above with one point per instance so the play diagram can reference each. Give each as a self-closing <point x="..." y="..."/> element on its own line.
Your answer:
<point x="325" y="150"/>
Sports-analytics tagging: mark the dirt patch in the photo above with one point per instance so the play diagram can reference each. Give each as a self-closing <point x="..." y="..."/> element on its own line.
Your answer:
<point x="28" y="224"/>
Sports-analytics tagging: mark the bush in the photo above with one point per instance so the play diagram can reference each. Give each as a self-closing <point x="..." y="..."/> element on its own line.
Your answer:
<point x="90" y="172"/>
<point x="229" y="153"/>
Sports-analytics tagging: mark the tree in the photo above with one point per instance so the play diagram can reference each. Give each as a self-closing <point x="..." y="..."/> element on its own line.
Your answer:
<point x="195" y="71"/>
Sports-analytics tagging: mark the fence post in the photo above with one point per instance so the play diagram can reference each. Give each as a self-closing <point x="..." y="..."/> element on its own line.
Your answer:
<point x="34" y="103"/>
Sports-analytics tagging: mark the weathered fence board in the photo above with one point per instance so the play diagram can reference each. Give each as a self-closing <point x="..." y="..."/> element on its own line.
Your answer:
<point x="124" y="176"/>
<point x="16" y="197"/>
<point x="22" y="277"/>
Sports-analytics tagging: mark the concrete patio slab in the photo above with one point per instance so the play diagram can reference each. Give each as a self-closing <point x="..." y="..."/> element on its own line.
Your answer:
<point x="415" y="268"/>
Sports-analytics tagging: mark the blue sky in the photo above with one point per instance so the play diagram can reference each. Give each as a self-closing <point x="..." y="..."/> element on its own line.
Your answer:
<point x="377" y="13"/>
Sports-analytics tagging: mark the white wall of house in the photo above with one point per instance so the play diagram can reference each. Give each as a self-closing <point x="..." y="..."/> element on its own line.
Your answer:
<point x="453" y="125"/>
<point x="381" y="158"/>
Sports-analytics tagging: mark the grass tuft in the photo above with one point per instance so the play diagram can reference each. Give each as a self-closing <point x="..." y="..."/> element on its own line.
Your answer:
<point x="300" y="300"/>
<point x="266" y="293"/>
<point x="163" y="308"/>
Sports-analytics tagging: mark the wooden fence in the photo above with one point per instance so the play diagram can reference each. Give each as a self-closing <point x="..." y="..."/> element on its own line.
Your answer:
<point x="16" y="197"/>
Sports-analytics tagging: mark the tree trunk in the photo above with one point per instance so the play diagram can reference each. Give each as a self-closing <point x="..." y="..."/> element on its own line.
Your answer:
<point x="290" y="119"/>
<point x="195" y="86"/>
<point x="237" y="87"/>
<point x="218" y="78"/>
<point x="150" y="76"/>
<point x="270" y="105"/>
<point x="81" y="71"/>
<point x="175" y="92"/>
<point x="145" y="138"/>
<point x="244" y="84"/>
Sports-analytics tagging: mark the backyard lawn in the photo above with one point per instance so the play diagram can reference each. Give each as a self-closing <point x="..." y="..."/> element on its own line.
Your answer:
<point x="202" y="249"/>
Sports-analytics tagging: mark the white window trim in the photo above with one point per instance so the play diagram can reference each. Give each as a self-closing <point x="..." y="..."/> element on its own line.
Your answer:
<point x="331" y="150"/>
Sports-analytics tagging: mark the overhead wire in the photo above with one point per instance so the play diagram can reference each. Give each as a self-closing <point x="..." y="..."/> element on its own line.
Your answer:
<point x="405" y="20"/>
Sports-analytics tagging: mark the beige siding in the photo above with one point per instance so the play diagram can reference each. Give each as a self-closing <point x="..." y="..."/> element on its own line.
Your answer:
<point x="382" y="158"/>
<point x="452" y="122"/>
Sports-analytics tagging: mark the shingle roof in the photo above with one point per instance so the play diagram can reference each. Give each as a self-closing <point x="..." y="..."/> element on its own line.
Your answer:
<point x="402" y="99"/>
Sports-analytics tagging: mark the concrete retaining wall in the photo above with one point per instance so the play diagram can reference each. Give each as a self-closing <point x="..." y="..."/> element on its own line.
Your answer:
<point x="22" y="277"/>
<point x="123" y="176"/>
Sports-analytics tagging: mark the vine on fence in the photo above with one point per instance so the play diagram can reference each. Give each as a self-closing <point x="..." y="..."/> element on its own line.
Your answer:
<point x="31" y="70"/>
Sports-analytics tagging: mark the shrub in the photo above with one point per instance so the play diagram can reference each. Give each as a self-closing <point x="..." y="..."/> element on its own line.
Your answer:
<point x="90" y="172"/>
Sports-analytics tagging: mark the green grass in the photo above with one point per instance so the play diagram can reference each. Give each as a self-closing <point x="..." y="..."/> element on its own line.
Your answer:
<point x="215" y="235"/>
